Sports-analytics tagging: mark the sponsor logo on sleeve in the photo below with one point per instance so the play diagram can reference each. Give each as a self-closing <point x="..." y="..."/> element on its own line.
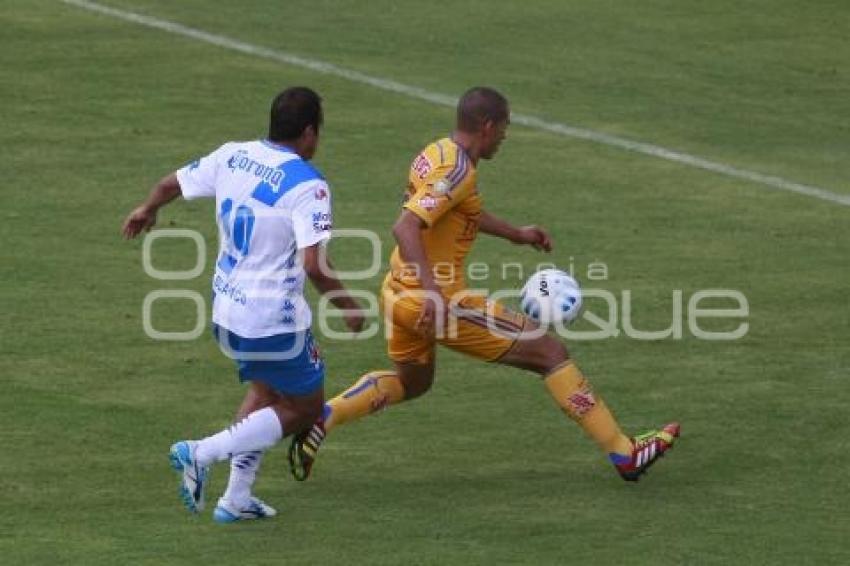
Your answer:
<point x="430" y="202"/>
<point x="322" y="221"/>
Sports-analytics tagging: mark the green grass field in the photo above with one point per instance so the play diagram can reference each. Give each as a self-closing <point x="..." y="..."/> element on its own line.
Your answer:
<point x="484" y="470"/>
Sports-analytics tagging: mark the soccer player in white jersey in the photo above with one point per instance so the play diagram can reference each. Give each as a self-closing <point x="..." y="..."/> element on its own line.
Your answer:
<point x="273" y="211"/>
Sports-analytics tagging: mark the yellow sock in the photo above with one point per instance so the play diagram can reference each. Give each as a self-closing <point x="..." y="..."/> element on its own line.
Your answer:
<point x="372" y="392"/>
<point x="575" y="396"/>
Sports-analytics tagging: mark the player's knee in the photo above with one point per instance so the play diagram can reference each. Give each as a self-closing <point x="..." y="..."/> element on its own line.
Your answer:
<point x="417" y="388"/>
<point x="416" y="383"/>
<point x="551" y="353"/>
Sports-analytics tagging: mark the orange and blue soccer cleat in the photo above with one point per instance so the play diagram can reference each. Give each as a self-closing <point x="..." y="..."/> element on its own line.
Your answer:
<point x="304" y="449"/>
<point x="648" y="448"/>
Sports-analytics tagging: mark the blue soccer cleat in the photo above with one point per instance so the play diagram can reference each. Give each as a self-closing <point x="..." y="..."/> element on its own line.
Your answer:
<point x="226" y="512"/>
<point x="182" y="458"/>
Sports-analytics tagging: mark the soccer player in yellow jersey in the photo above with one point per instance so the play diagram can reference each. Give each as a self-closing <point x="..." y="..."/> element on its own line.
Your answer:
<point x="426" y="303"/>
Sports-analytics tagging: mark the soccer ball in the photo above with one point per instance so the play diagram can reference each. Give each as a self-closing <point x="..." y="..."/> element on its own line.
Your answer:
<point x="551" y="295"/>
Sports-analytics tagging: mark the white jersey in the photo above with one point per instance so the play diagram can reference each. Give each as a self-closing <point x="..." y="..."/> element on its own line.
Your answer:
<point x="270" y="203"/>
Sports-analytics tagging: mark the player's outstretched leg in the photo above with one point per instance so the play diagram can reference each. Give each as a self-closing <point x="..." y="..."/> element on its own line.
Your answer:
<point x="572" y="392"/>
<point x="374" y="391"/>
<point x="630" y="456"/>
<point x="371" y="393"/>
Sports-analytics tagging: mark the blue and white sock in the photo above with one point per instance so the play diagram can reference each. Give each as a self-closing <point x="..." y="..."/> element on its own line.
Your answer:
<point x="256" y="432"/>
<point x="243" y="472"/>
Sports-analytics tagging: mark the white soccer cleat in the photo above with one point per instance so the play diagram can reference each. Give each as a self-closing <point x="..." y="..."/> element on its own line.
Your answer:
<point x="226" y="512"/>
<point x="182" y="458"/>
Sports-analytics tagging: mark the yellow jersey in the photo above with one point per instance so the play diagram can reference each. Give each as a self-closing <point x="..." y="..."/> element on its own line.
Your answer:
<point x="442" y="191"/>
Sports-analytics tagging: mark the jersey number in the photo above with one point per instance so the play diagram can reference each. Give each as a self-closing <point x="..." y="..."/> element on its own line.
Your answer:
<point x="240" y="228"/>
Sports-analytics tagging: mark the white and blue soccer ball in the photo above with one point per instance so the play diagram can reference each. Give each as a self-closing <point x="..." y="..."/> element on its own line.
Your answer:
<point x="551" y="295"/>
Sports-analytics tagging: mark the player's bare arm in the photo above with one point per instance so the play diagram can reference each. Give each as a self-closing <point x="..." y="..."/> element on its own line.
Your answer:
<point x="317" y="266"/>
<point x="524" y="235"/>
<point x="143" y="217"/>
<point x="408" y="234"/>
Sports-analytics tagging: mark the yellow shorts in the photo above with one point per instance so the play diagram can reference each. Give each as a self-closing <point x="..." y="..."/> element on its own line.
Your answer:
<point x="477" y="327"/>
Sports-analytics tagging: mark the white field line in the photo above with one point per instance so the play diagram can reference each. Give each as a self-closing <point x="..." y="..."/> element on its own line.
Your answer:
<point x="450" y="101"/>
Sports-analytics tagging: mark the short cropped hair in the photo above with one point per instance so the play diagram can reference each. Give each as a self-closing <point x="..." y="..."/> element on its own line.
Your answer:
<point x="478" y="105"/>
<point x="292" y="111"/>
